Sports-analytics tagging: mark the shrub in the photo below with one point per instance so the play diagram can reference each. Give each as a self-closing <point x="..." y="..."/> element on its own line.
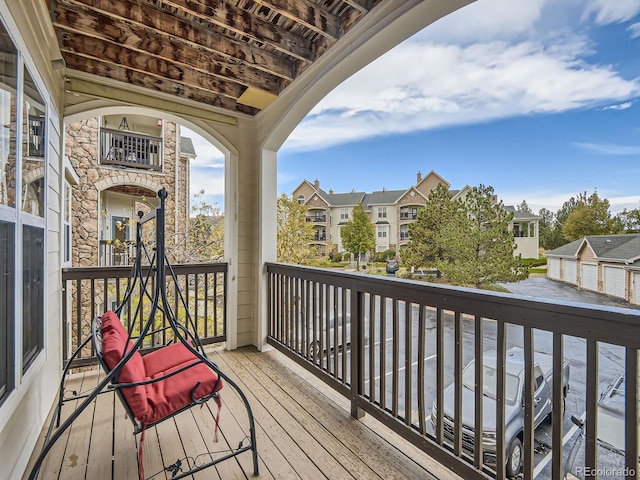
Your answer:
<point x="388" y="255"/>
<point x="403" y="273"/>
<point x="337" y="257"/>
<point x="534" y="262"/>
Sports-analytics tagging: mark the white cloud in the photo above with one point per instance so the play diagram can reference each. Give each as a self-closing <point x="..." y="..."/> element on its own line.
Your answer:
<point x="425" y="85"/>
<point x="609" y="149"/>
<point x="619" y="106"/>
<point x="634" y="30"/>
<point x="611" y="11"/>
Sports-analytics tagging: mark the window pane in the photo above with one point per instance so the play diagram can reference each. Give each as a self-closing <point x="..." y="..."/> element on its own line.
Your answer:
<point x="7" y="267"/>
<point x="33" y="148"/>
<point x="32" y="293"/>
<point x="8" y="75"/>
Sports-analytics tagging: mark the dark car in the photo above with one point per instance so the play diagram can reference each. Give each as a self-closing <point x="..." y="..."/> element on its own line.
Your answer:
<point x="392" y="266"/>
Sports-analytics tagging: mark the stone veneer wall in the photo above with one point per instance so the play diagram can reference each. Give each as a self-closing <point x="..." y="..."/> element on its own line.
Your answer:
<point x="81" y="146"/>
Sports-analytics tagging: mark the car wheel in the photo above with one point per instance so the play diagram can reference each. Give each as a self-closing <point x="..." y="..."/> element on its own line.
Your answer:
<point x="514" y="458"/>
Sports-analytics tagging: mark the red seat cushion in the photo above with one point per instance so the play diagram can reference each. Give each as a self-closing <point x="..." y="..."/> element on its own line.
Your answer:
<point x="153" y="402"/>
<point x="114" y="347"/>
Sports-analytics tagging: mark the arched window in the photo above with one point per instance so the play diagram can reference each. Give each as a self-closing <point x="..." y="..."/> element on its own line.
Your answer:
<point x="300" y="199"/>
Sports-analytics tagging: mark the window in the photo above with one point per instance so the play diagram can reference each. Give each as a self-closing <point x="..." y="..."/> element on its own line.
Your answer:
<point x="8" y="214"/>
<point x="300" y="199"/>
<point x="32" y="293"/>
<point x="344" y="214"/>
<point x="7" y="249"/>
<point x="382" y="212"/>
<point x="8" y="87"/>
<point x="382" y="231"/>
<point x="66" y="222"/>
<point x="33" y="184"/>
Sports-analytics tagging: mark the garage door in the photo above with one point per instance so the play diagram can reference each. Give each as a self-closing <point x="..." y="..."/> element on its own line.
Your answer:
<point x="614" y="281"/>
<point x="589" y="276"/>
<point x="553" y="268"/>
<point x="571" y="271"/>
<point x="635" y="298"/>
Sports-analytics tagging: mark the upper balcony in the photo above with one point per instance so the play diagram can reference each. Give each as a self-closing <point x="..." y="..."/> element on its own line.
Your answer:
<point x="392" y="349"/>
<point x="130" y="150"/>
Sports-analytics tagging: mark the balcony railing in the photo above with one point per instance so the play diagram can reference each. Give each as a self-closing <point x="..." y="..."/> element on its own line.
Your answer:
<point x="90" y="291"/>
<point x="128" y="149"/>
<point x="317" y="218"/>
<point x="37" y="143"/>
<point x="393" y="346"/>
<point x="112" y="253"/>
<point x="408" y="216"/>
<point x="320" y="237"/>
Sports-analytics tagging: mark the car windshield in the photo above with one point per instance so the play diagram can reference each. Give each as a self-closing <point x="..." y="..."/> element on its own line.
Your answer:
<point x="489" y="382"/>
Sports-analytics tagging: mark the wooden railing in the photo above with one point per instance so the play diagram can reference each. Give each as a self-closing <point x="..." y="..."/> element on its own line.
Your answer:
<point x="393" y="346"/>
<point x="129" y="149"/>
<point x="90" y="291"/>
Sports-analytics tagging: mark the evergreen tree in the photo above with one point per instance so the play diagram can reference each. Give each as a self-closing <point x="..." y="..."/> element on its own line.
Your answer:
<point x="294" y="233"/>
<point x="358" y="235"/>
<point x="479" y="246"/>
<point x="550" y="236"/>
<point x="425" y="245"/>
<point x="524" y="207"/>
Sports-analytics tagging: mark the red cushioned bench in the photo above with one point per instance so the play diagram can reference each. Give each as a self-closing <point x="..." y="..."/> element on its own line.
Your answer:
<point x="167" y="380"/>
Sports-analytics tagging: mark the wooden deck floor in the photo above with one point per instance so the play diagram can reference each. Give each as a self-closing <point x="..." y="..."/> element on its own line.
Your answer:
<point x="304" y="431"/>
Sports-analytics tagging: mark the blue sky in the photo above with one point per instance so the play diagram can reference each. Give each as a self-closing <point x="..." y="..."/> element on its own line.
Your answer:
<point x="537" y="98"/>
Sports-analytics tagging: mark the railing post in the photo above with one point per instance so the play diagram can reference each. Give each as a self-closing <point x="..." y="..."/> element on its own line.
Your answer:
<point x="356" y="309"/>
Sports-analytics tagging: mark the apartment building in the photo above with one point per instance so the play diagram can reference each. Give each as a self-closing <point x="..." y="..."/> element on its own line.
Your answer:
<point x="392" y="211"/>
<point x="119" y="163"/>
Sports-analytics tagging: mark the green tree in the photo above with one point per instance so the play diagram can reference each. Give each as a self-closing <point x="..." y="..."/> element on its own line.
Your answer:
<point x="479" y="246"/>
<point x="524" y="207"/>
<point x="591" y="216"/>
<point x="203" y="240"/>
<point x="550" y="236"/>
<point x="628" y="221"/>
<point x="358" y="235"/>
<point x="425" y="246"/>
<point x="294" y="233"/>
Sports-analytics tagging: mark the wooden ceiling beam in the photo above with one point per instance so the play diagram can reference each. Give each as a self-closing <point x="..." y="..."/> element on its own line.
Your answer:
<point x="243" y="23"/>
<point x="105" y="52"/>
<point x="196" y="36"/>
<point x="306" y="13"/>
<point x="153" y="44"/>
<point x="363" y="6"/>
<point x="142" y="79"/>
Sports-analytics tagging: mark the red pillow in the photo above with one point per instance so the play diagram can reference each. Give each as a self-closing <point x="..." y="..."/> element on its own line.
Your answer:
<point x="114" y="341"/>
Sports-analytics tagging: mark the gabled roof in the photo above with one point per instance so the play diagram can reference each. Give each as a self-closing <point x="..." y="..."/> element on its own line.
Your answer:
<point x="434" y="174"/>
<point x="342" y="199"/>
<point x="519" y="215"/>
<point x="383" y="197"/>
<point x="409" y="190"/>
<point x="615" y="248"/>
<point x="187" y="148"/>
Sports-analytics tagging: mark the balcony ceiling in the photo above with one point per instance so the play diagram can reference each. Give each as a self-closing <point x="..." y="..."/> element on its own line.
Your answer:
<point x="237" y="55"/>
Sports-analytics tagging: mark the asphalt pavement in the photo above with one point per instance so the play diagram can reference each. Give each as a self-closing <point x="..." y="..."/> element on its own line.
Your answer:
<point x="545" y="288"/>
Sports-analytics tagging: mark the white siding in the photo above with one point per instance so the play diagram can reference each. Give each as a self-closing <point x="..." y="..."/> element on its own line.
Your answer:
<point x="553" y="268"/>
<point x="635" y="286"/>
<point x="589" y="278"/>
<point x="614" y="281"/>
<point x="571" y="271"/>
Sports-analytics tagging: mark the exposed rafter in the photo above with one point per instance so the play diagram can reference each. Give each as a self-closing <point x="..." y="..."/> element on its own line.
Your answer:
<point x="208" y="51"/>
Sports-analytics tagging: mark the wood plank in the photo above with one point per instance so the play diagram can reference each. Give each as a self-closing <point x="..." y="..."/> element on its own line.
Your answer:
<point x="293" y="423"/>
<point x="320" y="401"/>
<point x="74" y="464"/>
<point x="163" y="25"/>
<point x="99" y="462"/>
<point x="170" y="446"/>
<point x="151" y="42"/>
<point x="124" y="444"/>
<point x="196" y="447"/>
<point x="324" y="428"/>
<point x="52" y="463"/>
